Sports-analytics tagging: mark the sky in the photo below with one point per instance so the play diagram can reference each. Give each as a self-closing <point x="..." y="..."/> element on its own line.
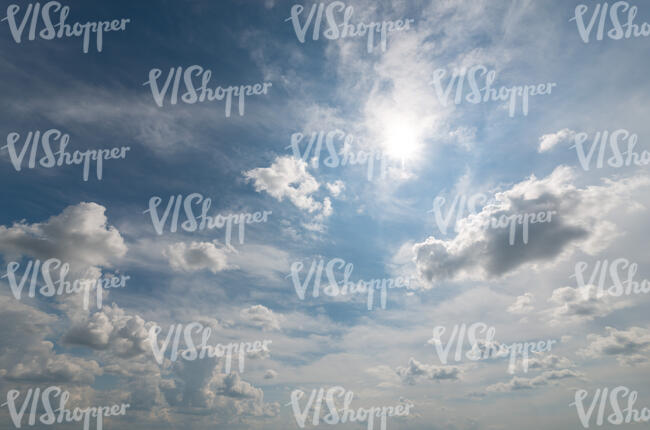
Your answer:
<point x="293" y="207"/>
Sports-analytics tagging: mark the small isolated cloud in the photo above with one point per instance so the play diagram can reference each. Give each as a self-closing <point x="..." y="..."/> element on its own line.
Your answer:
<point x="630" y="347"/>
<point x="548" y="141"/>
<point x="270" y="374"/>
<point x="546" y="378"/>
<point x="196" y="256"/>
<point x="416" y="370"/>
<point x="335" y="188"/>
<point x="522" y="304"/>
<point x="288" y="177"/>
<point x="261" y="317"/>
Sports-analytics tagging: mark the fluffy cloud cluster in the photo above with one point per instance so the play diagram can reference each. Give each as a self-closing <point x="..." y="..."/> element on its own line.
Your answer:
<point x="522" y="304"/>
<point x="416" y="370"/>
<point x="126" y="335"/>
<point x="25" y="355"/>
<point x="477" y="252"/>
<point x="288" y="177"/>
<point x="196" y="256"/>
<point x="79" y="235"/>
<point x="581" y="304"/>
<point x="261" y="317"/>
<point x="630" y="347"/>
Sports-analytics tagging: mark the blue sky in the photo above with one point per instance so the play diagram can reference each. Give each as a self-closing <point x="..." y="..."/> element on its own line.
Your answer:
<point x="384" y="226"/>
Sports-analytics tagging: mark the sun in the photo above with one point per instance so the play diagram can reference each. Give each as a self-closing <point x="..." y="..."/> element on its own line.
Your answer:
<point x="400" y="139"/>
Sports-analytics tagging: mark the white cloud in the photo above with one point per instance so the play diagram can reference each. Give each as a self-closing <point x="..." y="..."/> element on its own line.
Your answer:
<point x="416" y="370"/>
<point x="79" y="235"/>
<point x="546" y="378"/>
<point x="262" y="317"/>
<point x="630" y="347"/>
<point x="287" y="177"/>
<point x="522" y="304"/>
<point x="197" y="256"/>
<point x="579" y="222"/>
<point x="335" y="188"/>
<point x="549" y="141"/>
<point x="25" y="354"/>
<point x="581" y="304"/>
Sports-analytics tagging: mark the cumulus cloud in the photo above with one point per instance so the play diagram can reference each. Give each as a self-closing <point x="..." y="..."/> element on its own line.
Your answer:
<point x="549" y="141"/>
<point x="522" y="304"/>
<point x="25" y="355"/>
<point x="196" y="256"/>
<point x="126" y="335"/>
<point x="335" y="188"/>
<point x="270" y="374"/>
<point x="578" y="222"/>
<point x="261" y="317"/>
<point x="201" y="387"/>
<point x="288" y="177"/>
<point x="416" y="370"/>
<point x="546" y="378"/>
<point x="630" y="347"/>
<point x="549" y="362"/>
<point x="581" y="304"/>
<point x="79" y="235"/>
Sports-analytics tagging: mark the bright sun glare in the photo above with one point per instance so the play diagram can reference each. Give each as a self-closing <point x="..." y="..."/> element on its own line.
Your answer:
<point x="400" y="140"/>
